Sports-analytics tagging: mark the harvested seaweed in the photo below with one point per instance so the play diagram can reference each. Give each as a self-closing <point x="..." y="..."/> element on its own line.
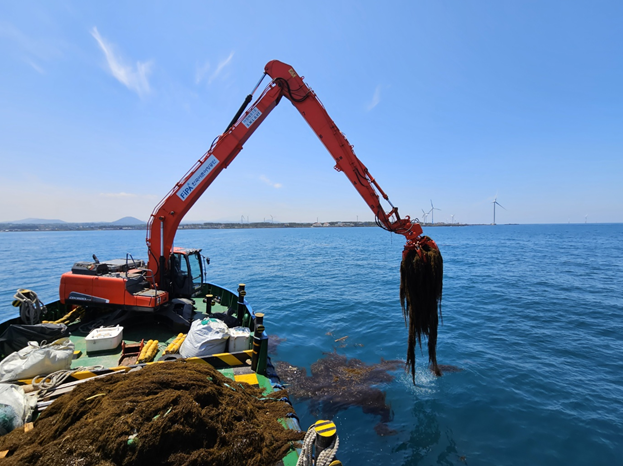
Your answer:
<point x="421" y="279"/>
<point x="170" y="413"/>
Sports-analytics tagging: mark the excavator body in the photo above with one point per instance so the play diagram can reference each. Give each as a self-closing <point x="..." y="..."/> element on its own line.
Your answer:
<point x="124" y="284"/>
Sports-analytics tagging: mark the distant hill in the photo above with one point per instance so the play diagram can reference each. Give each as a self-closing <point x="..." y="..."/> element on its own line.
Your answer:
<point x="128" y="221"/>
<point x="37" y="221"/>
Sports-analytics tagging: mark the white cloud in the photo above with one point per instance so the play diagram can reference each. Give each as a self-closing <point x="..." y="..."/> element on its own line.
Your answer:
<point x="36" y="67"/>
<point x="376" y="98"/>
<point x="30" y="46"/>
<point x="220" y="67"/>
<point x="67" y="202"/>
<point x="133" y="77"/>
<point x="270" y="183"/>
<point x="201" y="72"/>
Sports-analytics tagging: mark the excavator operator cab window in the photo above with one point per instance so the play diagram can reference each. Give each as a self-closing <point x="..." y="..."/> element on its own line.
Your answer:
<point x="186" y="274"/>
<point x="194" y="261"/>
<point x="181" y="284"/>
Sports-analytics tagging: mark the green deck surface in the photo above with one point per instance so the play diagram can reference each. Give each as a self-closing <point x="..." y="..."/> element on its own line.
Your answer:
<point x="149" y="330"/>
<point x="132" y="335"/>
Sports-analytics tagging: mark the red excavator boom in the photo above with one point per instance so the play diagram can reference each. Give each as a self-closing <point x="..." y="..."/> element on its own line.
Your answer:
<point x="148" y="288"/>
<point x="286" y="82"/>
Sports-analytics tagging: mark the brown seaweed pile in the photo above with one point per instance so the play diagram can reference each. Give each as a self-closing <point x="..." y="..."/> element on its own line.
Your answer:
<point x="165" y="414"/>
<point x="338" y="383"/>
<point x="421" y="275"/>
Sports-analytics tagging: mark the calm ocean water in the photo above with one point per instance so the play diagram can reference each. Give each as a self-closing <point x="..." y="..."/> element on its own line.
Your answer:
<point x="533" y="314"/>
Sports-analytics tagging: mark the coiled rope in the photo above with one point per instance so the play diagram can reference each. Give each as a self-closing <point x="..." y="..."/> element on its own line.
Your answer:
<point x="30" y="306"/>
<point x="51" y="381"/>
<point x="325" y="457"/>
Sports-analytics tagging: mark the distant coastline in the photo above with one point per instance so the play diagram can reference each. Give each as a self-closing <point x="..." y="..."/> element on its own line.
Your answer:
<point x="15" y="227"/>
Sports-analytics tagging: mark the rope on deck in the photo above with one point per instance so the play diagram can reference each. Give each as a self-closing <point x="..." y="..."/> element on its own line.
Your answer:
<point x="53" y="380"/>
<point x="30" y="306"/>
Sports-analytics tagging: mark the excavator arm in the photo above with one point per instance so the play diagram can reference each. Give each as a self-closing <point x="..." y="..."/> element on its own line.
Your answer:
<point x="167" y="215"/>
<point x="312" y="110"/>
<point x="421" y="270"/>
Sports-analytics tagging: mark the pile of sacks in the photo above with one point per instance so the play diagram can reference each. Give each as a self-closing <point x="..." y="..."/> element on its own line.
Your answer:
<point x="212" y="336"/>
<point x="16" y="406"/>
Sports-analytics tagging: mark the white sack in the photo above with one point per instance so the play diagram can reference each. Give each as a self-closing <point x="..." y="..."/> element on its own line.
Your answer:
<point x="206" y="337"/>
<point x="37" y="360"/>
<point x="15" y="407"/>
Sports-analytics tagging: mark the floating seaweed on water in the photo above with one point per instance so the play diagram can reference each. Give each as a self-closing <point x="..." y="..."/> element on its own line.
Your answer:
<point x="421" y="274"/>
<point x="446" y="368"/>
<point x="338" y="383"/>
<point x="273" y="343"/>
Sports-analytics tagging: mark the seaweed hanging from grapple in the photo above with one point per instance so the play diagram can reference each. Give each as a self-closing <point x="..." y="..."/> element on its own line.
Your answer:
<point x="421" y="275"/>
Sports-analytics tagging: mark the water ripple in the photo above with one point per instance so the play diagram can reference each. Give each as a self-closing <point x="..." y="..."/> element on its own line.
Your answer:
<point x="532" y="316"/>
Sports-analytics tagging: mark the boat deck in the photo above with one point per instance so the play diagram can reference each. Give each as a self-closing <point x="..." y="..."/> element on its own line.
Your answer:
<point x="148" y="329"/>
<point x="236" y="366"/>
<point x="144" y="326"/>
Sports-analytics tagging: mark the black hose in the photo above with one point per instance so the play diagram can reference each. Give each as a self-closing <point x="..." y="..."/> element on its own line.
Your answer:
<point x="282" y="83"/>
<point x="246" y="102"/>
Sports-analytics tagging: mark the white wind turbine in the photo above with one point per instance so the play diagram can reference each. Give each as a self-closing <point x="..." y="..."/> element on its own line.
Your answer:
<point x="424" y="215"/>
<point x="495" y="201"/>
<point x="432" y="212"/>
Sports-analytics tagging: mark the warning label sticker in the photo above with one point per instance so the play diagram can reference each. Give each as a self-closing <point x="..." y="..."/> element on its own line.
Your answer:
<point x="253" y="115"/>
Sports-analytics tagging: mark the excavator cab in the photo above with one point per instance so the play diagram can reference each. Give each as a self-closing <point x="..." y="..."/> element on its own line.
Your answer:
<point x="185" y="272"/>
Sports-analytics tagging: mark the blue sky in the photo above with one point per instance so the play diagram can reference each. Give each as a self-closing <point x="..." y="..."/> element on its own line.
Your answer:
<point x="104" y="107"/>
